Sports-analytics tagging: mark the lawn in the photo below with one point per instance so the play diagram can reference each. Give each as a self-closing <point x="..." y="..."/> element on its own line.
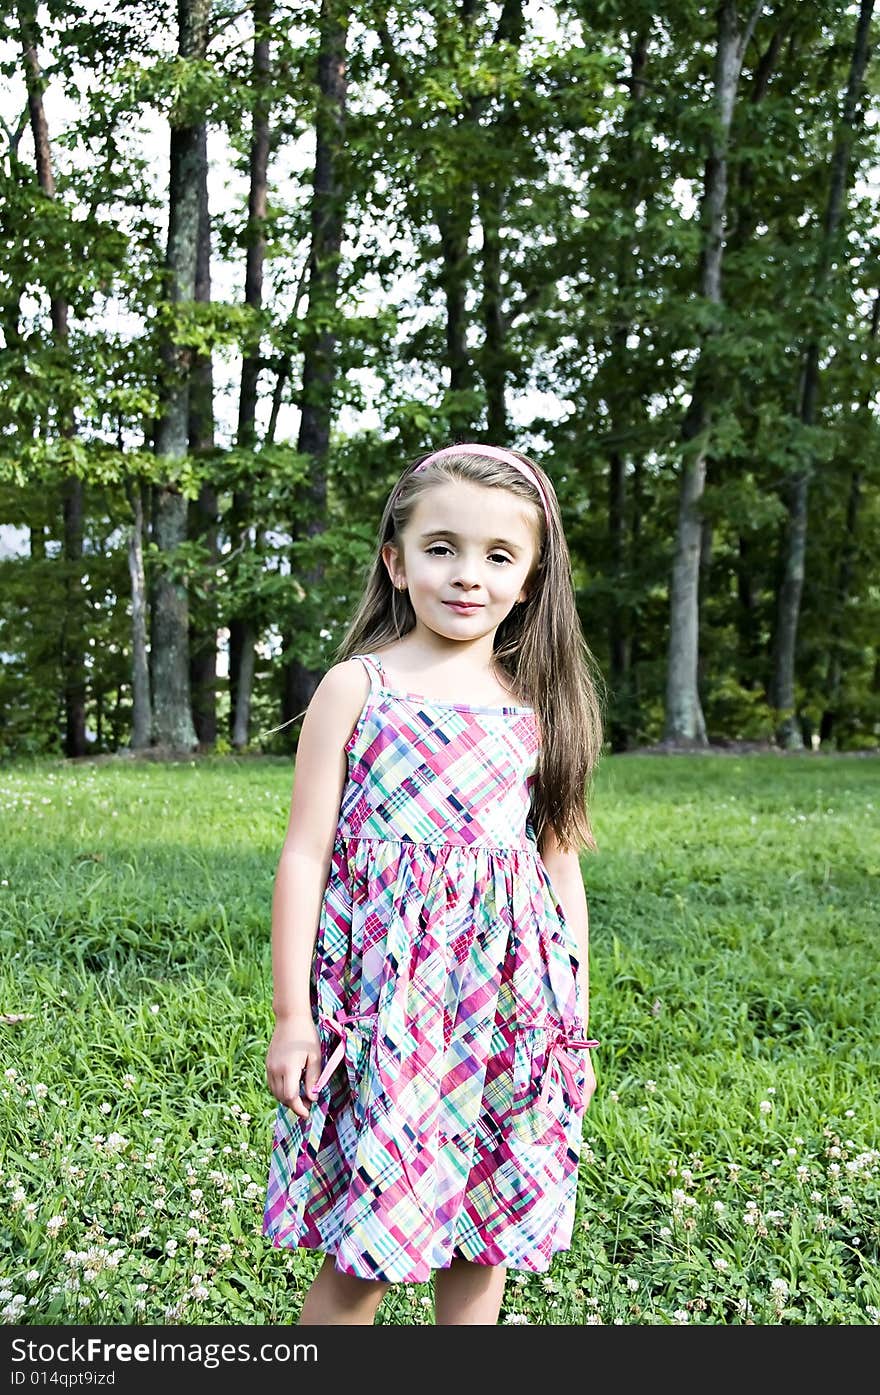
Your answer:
<point x="730" y="1165"/>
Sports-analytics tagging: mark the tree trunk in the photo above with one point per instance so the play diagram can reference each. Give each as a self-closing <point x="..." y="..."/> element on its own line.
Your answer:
<point x="172" y="717"/>
<point x="319" y="349"/>
<point x="790" y="592"/>
<point x="491" y="205"/>
<point x="620" y="616"/>
<point x="455" y="227"/>
<point x="684" y="714"/>
<point x="140" y="673"/>
<point x="845" y="571"/>
<point x="72" y="657"/>
<point x="203" y="511"/>
<point x="242" y="628"/>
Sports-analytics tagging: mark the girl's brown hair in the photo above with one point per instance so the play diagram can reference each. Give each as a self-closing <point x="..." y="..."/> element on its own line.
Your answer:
<point x="539" y="645"/>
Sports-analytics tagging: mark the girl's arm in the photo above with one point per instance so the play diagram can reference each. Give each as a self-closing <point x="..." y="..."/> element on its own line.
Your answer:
<point x="301" y="878"/>
<point x="564" y="870"/>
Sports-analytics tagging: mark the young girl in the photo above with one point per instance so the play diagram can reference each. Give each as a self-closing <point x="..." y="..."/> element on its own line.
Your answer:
<point x="429" y="921"/>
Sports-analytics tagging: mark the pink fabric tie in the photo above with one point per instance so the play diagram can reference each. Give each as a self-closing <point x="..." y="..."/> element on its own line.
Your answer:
<point x="339" y="1024"/>
<point x="560" y="1066"/>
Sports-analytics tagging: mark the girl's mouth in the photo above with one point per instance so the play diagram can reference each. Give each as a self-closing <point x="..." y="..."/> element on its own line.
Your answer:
<point x="462" y="607"/>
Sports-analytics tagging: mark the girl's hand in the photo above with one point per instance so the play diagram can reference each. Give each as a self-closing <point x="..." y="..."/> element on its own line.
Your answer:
<point x="293" y="1063"/>
<point x="589" y="1080"/>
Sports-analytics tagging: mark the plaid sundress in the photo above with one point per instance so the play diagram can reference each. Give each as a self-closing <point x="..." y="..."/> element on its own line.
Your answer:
<point x="449" y="1118"/>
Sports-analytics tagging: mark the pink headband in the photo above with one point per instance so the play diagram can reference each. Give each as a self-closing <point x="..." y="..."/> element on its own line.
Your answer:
<point x="493" y="453"/>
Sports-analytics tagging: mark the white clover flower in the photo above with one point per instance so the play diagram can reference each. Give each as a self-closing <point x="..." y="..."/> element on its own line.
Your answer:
<point x="815" y="1196"/>
<point x="106" y="1108"/>
<point x="665" y="1232"/>
<point x="632" y="1285"/>
<point x="41" y="1091"/>
<point x="721" y="1265"/>
<point x="228" y="1203"/>
<point x="170" y="1247"/>
<point x="650" y="1086"/>
<point x="154" y="1008"/>
<point x="681" y="1316"/>
<point x="517" y="1320"/>
<point x="54" y="1224"/>
<point x="765" y="1107"/>
<point x="719" y="1208"/>
<point x="32" y="1276"/>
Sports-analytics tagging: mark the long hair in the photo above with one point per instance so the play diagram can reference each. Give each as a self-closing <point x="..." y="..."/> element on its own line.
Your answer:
<point x="539" y="645"/>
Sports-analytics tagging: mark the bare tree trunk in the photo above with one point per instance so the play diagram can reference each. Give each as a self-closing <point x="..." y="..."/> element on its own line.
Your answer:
<point x="491" y="200"/>
<point x="203" y="511"/>
<point x="684" y="714"/>
<point x="789" y="597"/>
<point x="491" y="207"/>
<point x="243" y="628"/>
<point x="847" y="564"/>
<point x="72" y="658"/>
<point x="140" y="678"/>
<point x="319" y="366"/>
<point x="172" y="717"/>
<point x="620" y="616"/>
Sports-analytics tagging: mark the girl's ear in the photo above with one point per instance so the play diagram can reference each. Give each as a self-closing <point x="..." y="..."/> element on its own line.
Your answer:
<point x="390" y="557"/>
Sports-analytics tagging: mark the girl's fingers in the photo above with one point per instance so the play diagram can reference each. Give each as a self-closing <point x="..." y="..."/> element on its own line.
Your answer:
<point x="285" y="1086"/>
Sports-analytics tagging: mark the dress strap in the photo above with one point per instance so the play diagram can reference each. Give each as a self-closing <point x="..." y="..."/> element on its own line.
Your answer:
<point x="372" y="664"/>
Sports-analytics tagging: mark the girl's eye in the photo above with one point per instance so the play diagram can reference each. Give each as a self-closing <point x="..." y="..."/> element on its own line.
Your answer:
<point x="441" y="547"/>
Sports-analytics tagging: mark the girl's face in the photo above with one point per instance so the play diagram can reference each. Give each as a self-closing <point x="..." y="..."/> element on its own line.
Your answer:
<point x="467" y="552"/>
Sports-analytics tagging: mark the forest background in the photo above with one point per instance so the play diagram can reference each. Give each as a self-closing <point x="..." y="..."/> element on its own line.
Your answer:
<point x="257" y="256"/>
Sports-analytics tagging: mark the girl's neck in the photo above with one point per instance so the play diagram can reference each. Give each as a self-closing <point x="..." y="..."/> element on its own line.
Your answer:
<point x="447" y="676"/>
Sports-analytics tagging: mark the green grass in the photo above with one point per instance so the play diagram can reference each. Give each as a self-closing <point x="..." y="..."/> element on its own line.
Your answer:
<point x="730" y="1165"/>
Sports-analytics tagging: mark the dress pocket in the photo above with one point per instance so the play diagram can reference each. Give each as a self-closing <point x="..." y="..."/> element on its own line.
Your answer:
<point x="548" y="1084"/>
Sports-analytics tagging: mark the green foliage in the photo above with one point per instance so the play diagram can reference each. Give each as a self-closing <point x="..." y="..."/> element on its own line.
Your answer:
<point x="584" y="134"/>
